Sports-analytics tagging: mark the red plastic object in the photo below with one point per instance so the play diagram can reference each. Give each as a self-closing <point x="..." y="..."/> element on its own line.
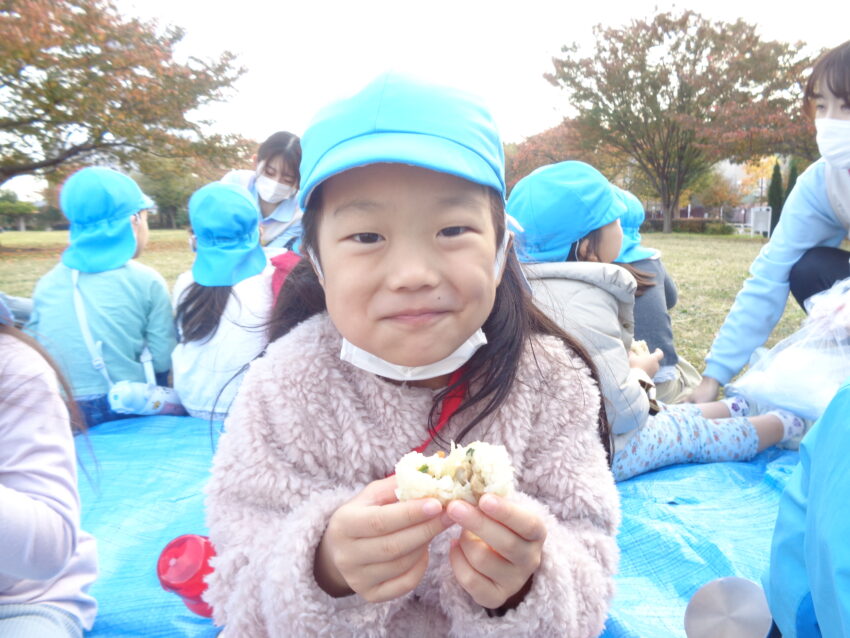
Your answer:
<point x="181" y="568"/>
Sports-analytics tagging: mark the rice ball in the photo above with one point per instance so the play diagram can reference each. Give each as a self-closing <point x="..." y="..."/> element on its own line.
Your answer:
<point x="466" y="473"/>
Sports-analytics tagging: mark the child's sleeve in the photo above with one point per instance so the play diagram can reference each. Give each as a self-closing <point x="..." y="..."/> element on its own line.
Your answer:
<point x="566" y="481"/>
<point x="598" y="326"/>
<point x="267" y="515"/>
<point x="160" y="333"/>
<point x="39" y="506"/>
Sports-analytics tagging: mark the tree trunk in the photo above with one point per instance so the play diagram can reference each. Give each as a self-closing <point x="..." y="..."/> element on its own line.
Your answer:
<point x="667" y="209"/>
<point x="22" y="223"/>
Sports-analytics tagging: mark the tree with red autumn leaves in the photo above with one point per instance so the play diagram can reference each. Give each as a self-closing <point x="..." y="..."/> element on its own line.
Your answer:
<point x="78" y="81"/>
<point x="677" y="93"/>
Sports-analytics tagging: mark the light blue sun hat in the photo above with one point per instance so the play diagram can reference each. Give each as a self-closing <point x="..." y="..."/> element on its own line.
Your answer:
<point x="225" y="220"/>
<point x="559" y="204"/>
<point x="630" y="222"/>
<point x="99" y="203"/>
<point x="397" y="119"/>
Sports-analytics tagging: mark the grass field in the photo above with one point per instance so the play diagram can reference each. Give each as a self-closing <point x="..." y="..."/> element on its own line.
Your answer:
<point x="709" y="271"/>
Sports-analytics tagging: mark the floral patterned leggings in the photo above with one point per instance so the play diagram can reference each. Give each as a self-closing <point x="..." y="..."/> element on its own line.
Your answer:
<point x="680" y="434"/>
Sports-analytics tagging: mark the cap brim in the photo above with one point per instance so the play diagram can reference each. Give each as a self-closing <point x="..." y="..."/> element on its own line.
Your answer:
<point x="438" y="154"/>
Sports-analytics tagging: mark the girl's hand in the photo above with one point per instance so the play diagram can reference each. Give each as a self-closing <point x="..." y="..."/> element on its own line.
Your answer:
<point x="649" y="363"/>
<point x="376" y="546"/>
<point x="498" y="551"/>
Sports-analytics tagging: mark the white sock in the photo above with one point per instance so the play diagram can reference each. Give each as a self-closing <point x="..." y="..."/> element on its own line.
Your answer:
<point x="794" y="426"/>
<point x="737" y="406"/>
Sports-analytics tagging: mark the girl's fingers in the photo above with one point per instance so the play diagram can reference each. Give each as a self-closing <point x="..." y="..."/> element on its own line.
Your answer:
<point x="380" y="549"/>
<point x="509" y="530"/>
<point x="483" y="590"/>
<point x="485" y="561"/>
<point x="380" y="520"/>
<point x="522" y="522"/>
<point x="381" y="492"/>
<point x="370" y="576"/>
<point x="400" y="585"/>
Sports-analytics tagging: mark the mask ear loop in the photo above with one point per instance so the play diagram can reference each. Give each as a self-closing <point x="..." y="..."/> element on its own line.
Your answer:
<point x="316" y="265"/>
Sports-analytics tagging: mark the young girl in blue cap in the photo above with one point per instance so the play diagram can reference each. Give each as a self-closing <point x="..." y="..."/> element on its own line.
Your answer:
<point x="47" y="563"/>
<point x="125" y="304"/>
<point x="223" y="304"/>
<point x="571" y="233"/>
<point x="656" y="293"/>
<point x="410" y="315"/>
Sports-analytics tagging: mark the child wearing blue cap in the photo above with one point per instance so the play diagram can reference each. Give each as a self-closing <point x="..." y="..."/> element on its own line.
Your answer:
<point x="571" y="234"/>
<point x="47" y="563"/>
<point x="274" y="186"/>
<point x="223" y="304"/>
<point x="124" y="304"/>
<point x="406" y="327"/>
<point x="656" y="293"/>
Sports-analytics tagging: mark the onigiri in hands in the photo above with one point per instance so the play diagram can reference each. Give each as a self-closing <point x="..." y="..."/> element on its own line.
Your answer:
<point x="466" y="473"/>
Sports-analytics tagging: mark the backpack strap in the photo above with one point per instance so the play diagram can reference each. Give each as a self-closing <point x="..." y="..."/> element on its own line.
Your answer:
<point x="95" y="348"/>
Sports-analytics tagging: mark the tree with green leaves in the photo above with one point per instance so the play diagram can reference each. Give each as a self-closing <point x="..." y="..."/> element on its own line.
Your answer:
<point x="775" y="196"/>
<point x="792" y="179"/>
<point x="82" y="83"/>
<point x="677" y="93"/>
<point x="15" y="211"/>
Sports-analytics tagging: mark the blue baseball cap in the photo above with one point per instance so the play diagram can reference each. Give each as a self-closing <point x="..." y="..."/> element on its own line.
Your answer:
<point x="99" y="203"/>
<point x="630" y="222"/>
<point x="559" y="204"/>
<point x="225" y="220"/>
<point x="400" y="120"/>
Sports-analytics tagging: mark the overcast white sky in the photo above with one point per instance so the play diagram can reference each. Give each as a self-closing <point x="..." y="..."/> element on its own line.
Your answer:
<point x="301" y="55"/>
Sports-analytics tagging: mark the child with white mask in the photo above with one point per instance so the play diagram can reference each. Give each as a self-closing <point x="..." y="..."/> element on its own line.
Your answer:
<point x="409" y="262"/>
<point x="274" y="183"/>
<point x="803" y="254"/>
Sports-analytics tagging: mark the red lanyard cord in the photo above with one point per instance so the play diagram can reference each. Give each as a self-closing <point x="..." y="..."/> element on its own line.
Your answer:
<point x="451" y="403"/>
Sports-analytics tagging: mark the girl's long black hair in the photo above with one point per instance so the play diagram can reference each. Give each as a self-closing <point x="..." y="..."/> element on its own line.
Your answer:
<point x="199" y="311"/>
<point x="490" y="373"/>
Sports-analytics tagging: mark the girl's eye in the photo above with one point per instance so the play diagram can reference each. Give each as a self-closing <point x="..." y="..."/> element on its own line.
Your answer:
<point x="454" y="231"/>
<point x="366" y="238"/>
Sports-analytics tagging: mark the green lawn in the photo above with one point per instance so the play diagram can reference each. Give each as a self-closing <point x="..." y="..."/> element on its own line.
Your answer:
<point x="708" y="269"/>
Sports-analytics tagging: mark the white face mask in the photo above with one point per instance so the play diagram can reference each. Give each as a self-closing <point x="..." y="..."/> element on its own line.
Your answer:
<point x="370" y="363"/>
<point x="834" y="141"/>
<point x="272" y="191"/>
<point x="374" y="364"/>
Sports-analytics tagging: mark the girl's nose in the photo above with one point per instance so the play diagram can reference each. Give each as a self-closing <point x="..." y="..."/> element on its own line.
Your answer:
<point x="411" y="268"/>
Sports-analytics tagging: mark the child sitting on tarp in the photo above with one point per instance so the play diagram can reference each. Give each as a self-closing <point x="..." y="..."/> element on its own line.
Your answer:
<point x="124" y="304"/>
<point x="571" y="235"/>
<point x="223" y="304"/>
<point x="656" y="294"/>
<point x="47" y="563"/>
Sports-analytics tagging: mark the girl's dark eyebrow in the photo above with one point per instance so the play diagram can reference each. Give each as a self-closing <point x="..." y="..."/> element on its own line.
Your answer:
<point x="464" y="200"/>
<point x="366" y="205"/>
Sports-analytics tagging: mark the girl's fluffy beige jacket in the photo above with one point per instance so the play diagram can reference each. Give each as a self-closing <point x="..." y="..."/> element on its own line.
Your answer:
<point x="308" y="432"/>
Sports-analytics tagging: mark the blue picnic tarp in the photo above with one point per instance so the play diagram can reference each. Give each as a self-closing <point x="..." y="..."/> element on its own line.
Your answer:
<point x="141" y="484"/>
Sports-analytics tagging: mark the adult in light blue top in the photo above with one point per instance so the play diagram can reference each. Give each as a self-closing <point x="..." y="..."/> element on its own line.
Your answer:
<point x="808" y="581"/>
<point x="126" y="303"/>
<point x="274" y="184"/>
<point x="802" y="255"/>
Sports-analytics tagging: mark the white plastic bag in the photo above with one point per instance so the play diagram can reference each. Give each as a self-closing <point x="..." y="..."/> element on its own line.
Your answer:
<point x="803" y="372"/>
